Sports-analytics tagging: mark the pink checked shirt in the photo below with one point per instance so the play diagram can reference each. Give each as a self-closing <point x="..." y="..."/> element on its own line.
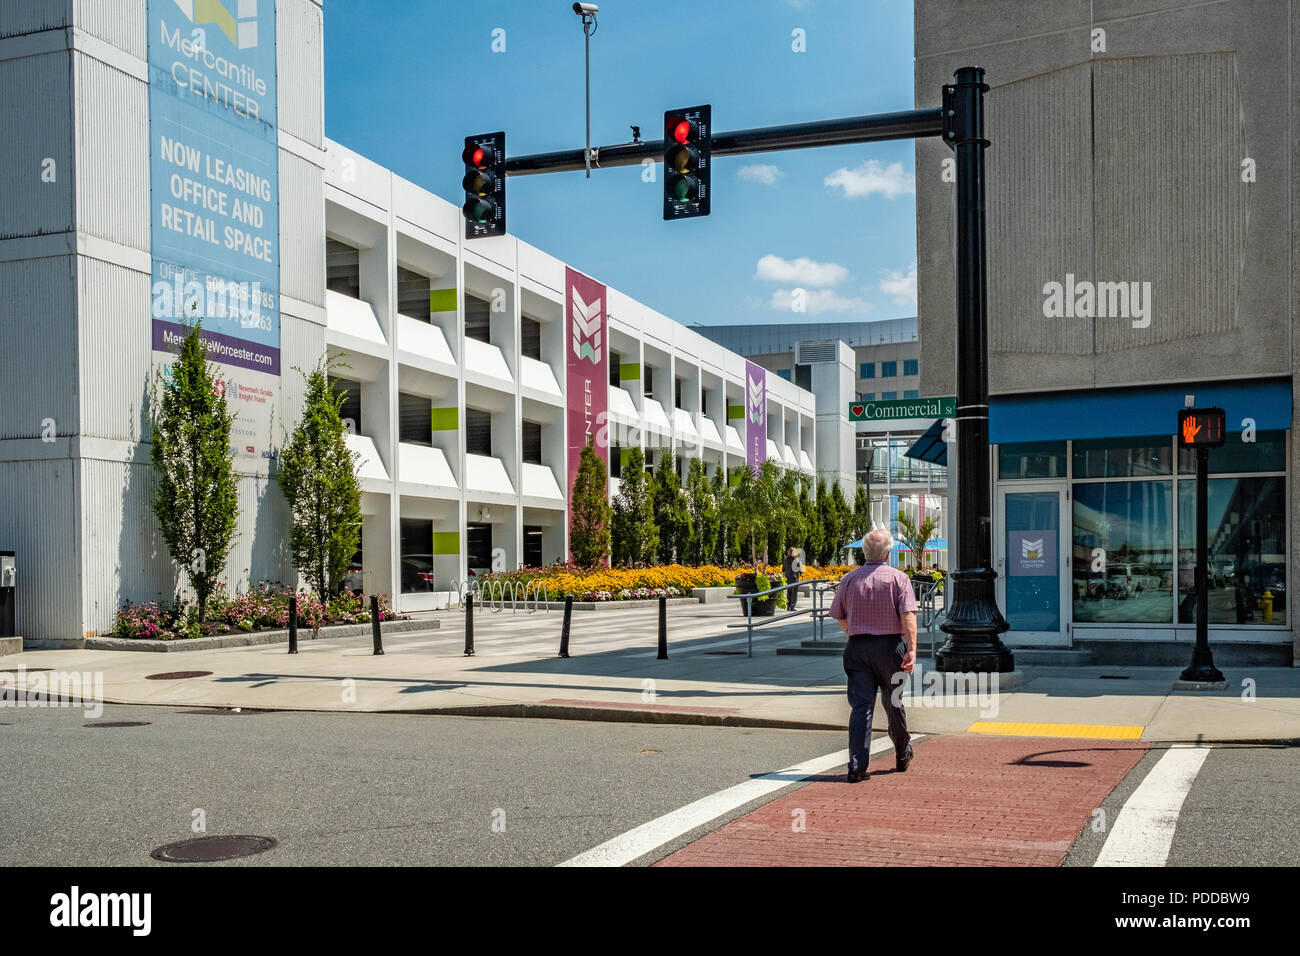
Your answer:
<point x="873" y="599"/>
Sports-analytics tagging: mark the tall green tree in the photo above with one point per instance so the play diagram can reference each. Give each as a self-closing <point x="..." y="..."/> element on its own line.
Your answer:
<point x="723" y="550"/>
<point x="703" y="508"/>
<point x="841" y="517"/>
<point x="861" y="518"/>
<point x="672" y="515"/>
<point x="635" y="537"/>
<point x="751" y="507"/>
<point x="826" y="533"/>
<point x="318" y="475"/>
<point x="590" y="515"/>
<point x="787" y="518"/>
<point x="196" y="498"/>
<point x="812" y="529"/>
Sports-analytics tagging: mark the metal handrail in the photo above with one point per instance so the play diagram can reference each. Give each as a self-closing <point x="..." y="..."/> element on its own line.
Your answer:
<point x="749" y="604"/>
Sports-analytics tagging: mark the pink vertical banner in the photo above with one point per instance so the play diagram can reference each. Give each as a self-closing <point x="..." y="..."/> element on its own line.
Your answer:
<point x="755" y="416"/>
<point x="588" y="368"/>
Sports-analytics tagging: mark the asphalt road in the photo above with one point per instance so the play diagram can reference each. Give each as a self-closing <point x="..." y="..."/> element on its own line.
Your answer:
<point x="358" y="789"/>
<point x="393" y="790"/>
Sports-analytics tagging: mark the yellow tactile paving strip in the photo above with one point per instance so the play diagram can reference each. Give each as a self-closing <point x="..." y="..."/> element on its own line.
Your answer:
<point x="1090" y="731"/>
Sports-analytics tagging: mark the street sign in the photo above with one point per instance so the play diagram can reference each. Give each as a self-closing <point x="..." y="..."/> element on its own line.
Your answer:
<point x="1201" y="428"/>
<point x="944" y="406"/>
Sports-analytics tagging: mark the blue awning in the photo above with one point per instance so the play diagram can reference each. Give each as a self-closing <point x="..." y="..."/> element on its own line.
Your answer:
<point x="1133" y="412"/>
<point x="930" y="446"/>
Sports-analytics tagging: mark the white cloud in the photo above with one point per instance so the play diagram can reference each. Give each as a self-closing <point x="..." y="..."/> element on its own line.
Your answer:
<point x="816" y="301"/>
<point x="900" y="285"/>
<point x="764" y="173"/>
<point x="801" y="271"/>
<point x="873" y="177"/>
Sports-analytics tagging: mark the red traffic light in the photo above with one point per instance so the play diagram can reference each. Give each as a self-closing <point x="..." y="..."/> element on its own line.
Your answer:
<point x="478" y="156"/>
<point x="684" y="130"/>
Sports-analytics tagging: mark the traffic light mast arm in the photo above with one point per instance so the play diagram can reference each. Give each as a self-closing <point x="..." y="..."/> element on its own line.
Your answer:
<point x="878" y="127"/>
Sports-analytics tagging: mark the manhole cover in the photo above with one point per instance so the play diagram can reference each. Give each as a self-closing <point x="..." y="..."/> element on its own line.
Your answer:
<point x="222" y="711"/>
<point x="117" y="723"/>
<point x="209" y="849"/>
<point x="1114" y="677"/>
<point x="178" y="675"/>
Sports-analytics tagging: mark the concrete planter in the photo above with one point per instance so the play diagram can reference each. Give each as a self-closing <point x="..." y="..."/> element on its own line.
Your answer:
<point x="251" y="639"/>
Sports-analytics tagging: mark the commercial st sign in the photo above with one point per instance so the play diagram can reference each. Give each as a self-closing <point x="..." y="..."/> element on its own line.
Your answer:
<point x="940" y="407"/>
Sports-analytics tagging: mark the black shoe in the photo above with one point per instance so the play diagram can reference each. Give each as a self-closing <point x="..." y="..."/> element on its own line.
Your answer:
<point x="857" y="776"/>
<point x="902" y="763"/>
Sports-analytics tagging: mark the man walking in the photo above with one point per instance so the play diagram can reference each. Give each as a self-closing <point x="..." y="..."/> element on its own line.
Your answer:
<point x="876" y="608"/>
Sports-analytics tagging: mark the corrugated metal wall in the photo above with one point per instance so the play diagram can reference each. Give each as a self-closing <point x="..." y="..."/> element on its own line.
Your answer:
<point x="30" y="16"/>
<point x="125" y="558"/>
<point x="300" y="71"/>
<point x="33" y="132"/>
<point x="302" y="343"/>
<point x="302" y="229"/>
<point x="39" y="523"/>
<point x="113" y="149"/>
<point x="38" y="358"/>
<point x="120" y="22"/>
<point x="115" y="367"/>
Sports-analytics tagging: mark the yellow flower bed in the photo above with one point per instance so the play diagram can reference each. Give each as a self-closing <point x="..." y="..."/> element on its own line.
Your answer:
<point x="612" y="584"/>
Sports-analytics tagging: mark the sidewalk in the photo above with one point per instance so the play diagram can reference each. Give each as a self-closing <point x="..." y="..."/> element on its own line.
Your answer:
<point x="614" y="675"/>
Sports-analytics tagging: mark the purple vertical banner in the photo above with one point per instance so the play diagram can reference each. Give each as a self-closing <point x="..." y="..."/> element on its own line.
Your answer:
<point x="588" y="369"/>
<point x="755" y="416"/>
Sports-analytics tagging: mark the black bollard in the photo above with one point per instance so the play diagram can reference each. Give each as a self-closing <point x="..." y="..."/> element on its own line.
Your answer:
<point x="469" y="625"/>
<point x="293" y="624"/>
<point x="374" y="623"/>
<point x="663" y="628"/>
<point x="568" y="617"/>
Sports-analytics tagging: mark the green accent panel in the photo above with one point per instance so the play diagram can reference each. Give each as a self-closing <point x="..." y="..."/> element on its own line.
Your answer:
<point x="445" y="419"/>
<point x="735" y="411"/>
<point x="442" y="300"/>
<point x="629" y="372"/>
<point x="446" y="542"/>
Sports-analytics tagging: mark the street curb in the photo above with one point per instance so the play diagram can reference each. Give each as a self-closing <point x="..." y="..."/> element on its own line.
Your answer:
<point x="609" y="715"/>
<point x="253" y="639"/>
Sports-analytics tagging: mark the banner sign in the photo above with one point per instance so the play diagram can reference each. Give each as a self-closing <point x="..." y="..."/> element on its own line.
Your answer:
<point x="587" y="394"/>
<point x="755" y="416"/>
<point x="941" y="407"/>
<point x="214" y="204"/>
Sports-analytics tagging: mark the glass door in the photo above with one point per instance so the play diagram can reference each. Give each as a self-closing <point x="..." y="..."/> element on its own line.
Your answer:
<point x="1032" y="556"/>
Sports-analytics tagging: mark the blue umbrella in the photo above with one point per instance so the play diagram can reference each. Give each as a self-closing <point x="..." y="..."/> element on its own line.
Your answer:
<point x="854" y="544"/>
<point x="937" y="544"/>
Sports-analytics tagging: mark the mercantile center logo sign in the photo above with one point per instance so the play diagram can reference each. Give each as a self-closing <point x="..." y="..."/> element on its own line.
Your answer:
<point x="586" y="328"/>
<point x="239" y="27"/>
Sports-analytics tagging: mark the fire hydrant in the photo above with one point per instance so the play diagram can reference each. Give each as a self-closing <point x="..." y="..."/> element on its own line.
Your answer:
<point x="1266" y="606"/>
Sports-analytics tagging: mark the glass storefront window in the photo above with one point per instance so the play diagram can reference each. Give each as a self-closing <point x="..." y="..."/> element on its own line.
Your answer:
<point x="1266" y="453"/>
<point x="1246" y="520"/>
<point x="1122" y="560"/>
<point x="1123" y="457"/>
<point x="1032" y="460"/>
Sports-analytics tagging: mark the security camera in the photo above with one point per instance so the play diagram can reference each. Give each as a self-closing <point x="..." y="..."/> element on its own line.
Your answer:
<point x="586" y="9"/>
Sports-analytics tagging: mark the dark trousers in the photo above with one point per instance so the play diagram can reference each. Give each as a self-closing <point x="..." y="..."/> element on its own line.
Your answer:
<point x="793" y="593"/>
<point x="872" y="663"/>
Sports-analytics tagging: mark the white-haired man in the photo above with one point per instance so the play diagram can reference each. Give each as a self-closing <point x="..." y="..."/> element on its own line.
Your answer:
<point x="876" y="608"/>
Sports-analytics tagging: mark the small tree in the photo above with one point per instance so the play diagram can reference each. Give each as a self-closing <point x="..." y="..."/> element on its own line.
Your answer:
<point x="704" y="514"/>
<point x="751" y="509"/>
<point x="915" y="535"/>
<point x="812" y="529"/>
<point x="590" y="515"/>
<point x="672" y="516"/>
<point x="861" y="513"/>
<point x="635" y="537"/>
<point x="196" y="498"/>
<point x="318" y="475"/>
<point x="826" y="532"/>
<point x="841" y="521"/>
<point x="787" y="519"/>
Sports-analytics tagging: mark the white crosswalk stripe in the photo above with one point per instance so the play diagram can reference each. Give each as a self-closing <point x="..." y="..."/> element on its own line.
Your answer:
<point x="1144" y="831"/>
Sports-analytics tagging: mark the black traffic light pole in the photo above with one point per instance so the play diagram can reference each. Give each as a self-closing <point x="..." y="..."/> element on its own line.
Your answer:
<point x="973" y="622"/>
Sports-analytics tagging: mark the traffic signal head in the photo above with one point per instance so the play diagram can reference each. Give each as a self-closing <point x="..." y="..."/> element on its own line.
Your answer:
<point x="1201" y="428"/>
<point x="485" y="185"/>
<point x="687" y="143"/>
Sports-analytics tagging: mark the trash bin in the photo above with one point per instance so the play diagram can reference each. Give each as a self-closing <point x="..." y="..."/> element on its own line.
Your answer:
<point x="8" y="618"/>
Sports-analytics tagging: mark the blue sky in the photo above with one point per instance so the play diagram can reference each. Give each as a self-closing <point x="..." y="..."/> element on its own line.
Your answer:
<point x="407" y="80"/>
